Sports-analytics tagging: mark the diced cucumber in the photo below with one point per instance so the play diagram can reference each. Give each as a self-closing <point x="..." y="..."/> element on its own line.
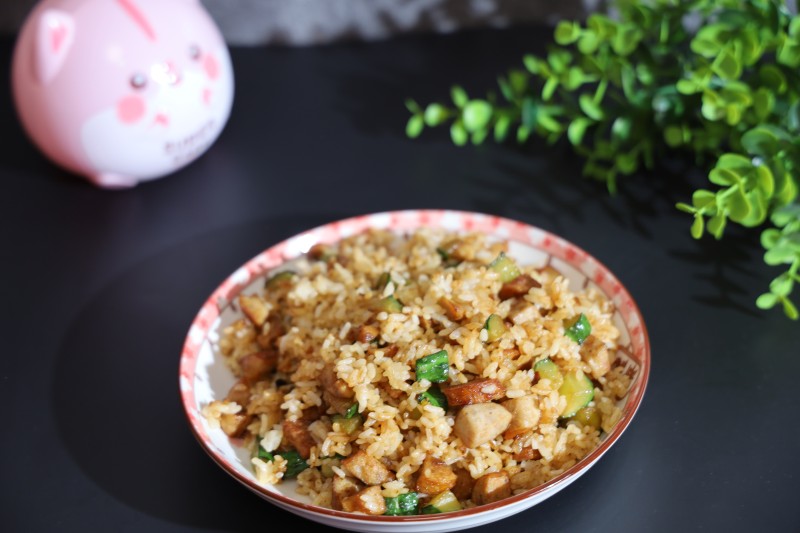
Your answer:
<point x="588" y="416"/>
<point x="390" y="304"/>
<point x="444" y="502"/>
<point x="433" y="396"/>
<point x="281" y="279"/>
<point x="495" y="327"/>
<point x="348" y="425"/>
<point x="505" y="267"/>
<point x="327" y="464"/>
<point x="547" y="369"/>
<point x="578" y="390"/>
<point x="434" y="367"/>
<point x="402" y="505"/>
<point x="578" y="329"/>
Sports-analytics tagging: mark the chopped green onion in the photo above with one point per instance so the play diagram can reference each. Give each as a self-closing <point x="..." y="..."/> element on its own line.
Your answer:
<point x="264" y="454"/>
<point x="351" y="411"/>
<point x="447" y="259"/>
<point x="281" y="279"/>
<point x="383" y="281"/>
<point x="495" y="327"/>
<point x="433" y="367"/>
<point x="433" y="396"/>
<point x="444" y="502"/>
<point x="294" y="463"/>
<point x="402" y="505"/>
<point x="579" y="329"/>
<point x="505" y="267"/>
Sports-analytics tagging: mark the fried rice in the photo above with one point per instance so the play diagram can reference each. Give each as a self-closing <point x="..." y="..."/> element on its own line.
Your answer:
<point x="331" y="389"/>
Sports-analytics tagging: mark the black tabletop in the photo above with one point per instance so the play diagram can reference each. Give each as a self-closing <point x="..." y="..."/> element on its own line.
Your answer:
<point x="101" y="286"/>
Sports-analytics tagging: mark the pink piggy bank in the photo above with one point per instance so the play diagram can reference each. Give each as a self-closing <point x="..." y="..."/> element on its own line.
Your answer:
<point x="122" y="91"/>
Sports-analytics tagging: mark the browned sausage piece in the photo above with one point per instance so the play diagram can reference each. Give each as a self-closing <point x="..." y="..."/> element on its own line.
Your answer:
<point x="491" y="488"/>
<point x="518" y="286"/>
<point x="524" y="415"/>
<point x="527" y="454"/>
<point x="333" y="385"/>
<point x="479" y="423"/>
<point x="343" y="487"/>
<point x="367" y="333"/>
<point x="239" y="393"/>
<point x="464" y="483"/>
<point x="257" y="365"/>
<point x="453" y="311"/>
<point x="254" y="309"/>
<point x="234" y="424"/>
<point x="297" y="434"/>
<point x="477" y="391"/>
<point x="366" y="468"/>
<point x="276" y="329"/>
<point x="368" y="501"/>
<point x="435" y="476"/>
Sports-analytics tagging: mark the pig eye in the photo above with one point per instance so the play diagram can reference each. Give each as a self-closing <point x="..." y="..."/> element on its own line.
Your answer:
<point x="138" y="81"/>
<point x="194" y="52"/>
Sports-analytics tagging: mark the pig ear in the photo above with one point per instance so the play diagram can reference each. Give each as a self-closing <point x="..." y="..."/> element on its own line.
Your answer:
<point x="54" y="37"/>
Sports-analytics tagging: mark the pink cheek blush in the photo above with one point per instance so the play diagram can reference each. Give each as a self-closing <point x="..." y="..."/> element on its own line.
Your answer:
<point x="211" y="66"/>
<point x="130" y="109"/>
<point x="207" y="96"/>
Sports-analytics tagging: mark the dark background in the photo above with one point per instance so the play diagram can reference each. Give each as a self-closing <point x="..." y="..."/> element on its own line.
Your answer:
<point x="100" y="288"/>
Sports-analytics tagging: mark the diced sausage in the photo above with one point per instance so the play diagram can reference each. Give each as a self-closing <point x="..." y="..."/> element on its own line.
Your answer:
<point x="366" y="468"/>
<point x="435" y="476"/>
<point x="257" y="365"/>
<point x="297" y="434"/>
<point x="368" y="501"/>
<point x="491" y="488"/>
<point x="464" y="483"/>
<point x="453" y="311"/>
<point x="310" y="414"/>
<point x="479" y="423"/>
<point x="234" y="424"/>
<point x="254" y="309"/>
<point x="367" y="333"/>
<point x="343" y="487"/>
<point x="524" y="415"/>
<point x="477" y="391"/>
<point x="527" y="454"/>
<point x="596" y="355"/>
<point x="333" y="385"/>
<point x="390" y="351"/>
<point x="239" y="393"/>
<point x="269" y="338"/>
<point x="518" y="286"/>
<point x="340" y="405"/>
<point x="321" y="251"/>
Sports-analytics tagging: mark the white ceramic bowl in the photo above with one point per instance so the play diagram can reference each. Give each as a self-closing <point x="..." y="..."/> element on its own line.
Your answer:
<point x="204" y="377"/>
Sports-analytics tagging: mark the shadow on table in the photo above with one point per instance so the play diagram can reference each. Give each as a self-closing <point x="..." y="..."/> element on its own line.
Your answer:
<point x="115" y="391"/>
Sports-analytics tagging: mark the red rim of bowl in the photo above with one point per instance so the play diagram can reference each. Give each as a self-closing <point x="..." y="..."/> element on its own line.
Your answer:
<point x="409" y="219"/>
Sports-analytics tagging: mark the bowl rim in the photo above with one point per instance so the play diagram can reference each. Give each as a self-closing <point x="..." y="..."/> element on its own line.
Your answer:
<point x="629" y="410"/>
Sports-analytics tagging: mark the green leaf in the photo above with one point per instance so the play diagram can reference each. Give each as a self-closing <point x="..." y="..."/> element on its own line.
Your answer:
<point x="782" y="285"/>
<point x="723" y="176"/>
<point x="760" y="141"/>
<point x="476" y="115"/>
<point x="773" y="77"/>
<point x="628" y="80"/>
<point x="738" y="205"/>
<point x="779" y="255"/>
<point x="789" y="309"/>
<point x="770" y="237"/>
<point x="518" y="80"/>
<point x="590" y="107"/>
<point x="621" y="129"/>
<point x="697" y="227"/>
<point x="459" y="96"/>
<point x="686" y="208"/>
<point x="588" y="42"/>
<point x="479" y="136"/>
<point x="626" y="40"/>
<point x="559" y="60"/>
<point x="765" y="181"/>
<point x="705" y="47"/>
<point x="501" y="127"/>
<point x="716" y="225"/>
<point x="689" y="87"/>
<point x="415" y="126"/>
<point x="458" y="133"/>
<point x="548" y="123"/>
<point x="529" y="111"/>
<point x="412" y="106"/>
<point x="734" y="161"/>
<point x="567" y="32"/>
<point x="702" y="199"/>
<point x="726" y="65"/>
<point x="577" y="129"/>
<point x="758" y="209"/>
<point x="763" y="102"/>
<point x="785" y="215"/>
<point x="627" y="163"/>
<point x="789" y="53"/>
<point x="523" y="132"/>
<point x="673" y="136"/>
<point x="505" y="88"/>
<point x="766" y="301"/>
<point x="549" y="88"/>
<point x="435" y="114"/>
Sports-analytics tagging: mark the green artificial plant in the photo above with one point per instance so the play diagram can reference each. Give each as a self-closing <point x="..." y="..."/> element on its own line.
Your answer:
<point x="718" y="78"/>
